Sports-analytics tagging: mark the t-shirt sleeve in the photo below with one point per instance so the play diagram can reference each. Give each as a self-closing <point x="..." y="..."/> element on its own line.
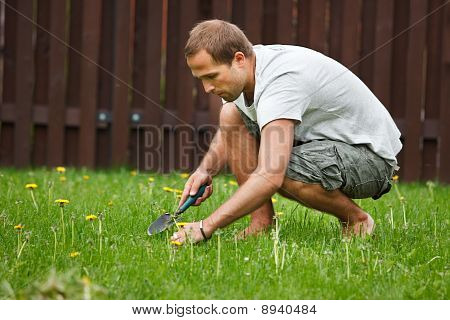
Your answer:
<point x="282" y="98"/>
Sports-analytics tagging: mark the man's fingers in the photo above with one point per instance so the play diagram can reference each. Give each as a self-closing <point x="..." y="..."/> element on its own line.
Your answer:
<point x="209" y="189"/>
<point x="185" y="194"/>
<point x="195" y="186"/>
<point x="206" y="194"/>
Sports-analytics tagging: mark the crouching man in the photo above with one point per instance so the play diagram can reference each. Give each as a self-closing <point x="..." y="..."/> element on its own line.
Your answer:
<point x="294" y="121"/>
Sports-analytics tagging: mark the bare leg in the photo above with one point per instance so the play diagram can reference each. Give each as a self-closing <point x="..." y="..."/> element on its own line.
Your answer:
<point x="353" y="219"/>
<point x="242" y="156"/>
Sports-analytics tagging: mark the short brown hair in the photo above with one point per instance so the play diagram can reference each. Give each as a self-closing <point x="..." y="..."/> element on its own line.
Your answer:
<point x="220" y="39"/>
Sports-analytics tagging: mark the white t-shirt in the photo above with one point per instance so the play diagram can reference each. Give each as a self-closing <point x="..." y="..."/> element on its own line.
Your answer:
<point x="328" y="100"/>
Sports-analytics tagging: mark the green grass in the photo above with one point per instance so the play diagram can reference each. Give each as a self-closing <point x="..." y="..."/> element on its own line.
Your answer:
<point x="400" y="262"/>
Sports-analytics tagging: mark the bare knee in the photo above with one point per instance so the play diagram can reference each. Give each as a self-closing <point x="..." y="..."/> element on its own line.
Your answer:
<point x="230" y="116"/>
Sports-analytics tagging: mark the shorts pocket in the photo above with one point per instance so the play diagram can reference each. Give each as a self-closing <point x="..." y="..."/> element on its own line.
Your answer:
<point x="368" y="176"/>
<point x="372" y="188"/>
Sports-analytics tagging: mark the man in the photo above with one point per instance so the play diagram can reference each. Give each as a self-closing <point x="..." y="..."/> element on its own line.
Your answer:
<point x="295" y="122"/>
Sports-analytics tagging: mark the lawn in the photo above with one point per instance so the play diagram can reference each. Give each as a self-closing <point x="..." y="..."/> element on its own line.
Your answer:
<point x="61" y="253"/>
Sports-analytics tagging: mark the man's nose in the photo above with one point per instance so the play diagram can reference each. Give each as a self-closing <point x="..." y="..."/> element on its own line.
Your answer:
<point x="208" y="87"/>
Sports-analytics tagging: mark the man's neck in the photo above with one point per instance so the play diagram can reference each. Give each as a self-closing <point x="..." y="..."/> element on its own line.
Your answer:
<point x="249" y="88"/>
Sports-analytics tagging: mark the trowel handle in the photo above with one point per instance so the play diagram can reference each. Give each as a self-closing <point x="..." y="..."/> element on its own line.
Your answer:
<point x="191" y="200"/>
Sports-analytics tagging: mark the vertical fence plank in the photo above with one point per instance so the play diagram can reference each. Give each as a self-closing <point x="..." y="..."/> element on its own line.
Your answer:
<point x="40" y="92"/>
<point x="444" y="125"/>
<point x="415" y="91"/>
<point x="400" y="47"/>
<point x="89" y="78"/>
<point x="366" y="67"/>
<point x="312" y="24"/>
<point x="74" y="63"/>
<point x="336" y="7"/>
<point x="285" y="27"/>
<point x="248" y="15"/>
<point x="2" y="35"/>
<point x="103" y="143"/>
<point x="24" y="85"/>
<point x="171" y="94"/>
<point x="71" y="143"/>
<point x="221" y="9"/>
<point x="434" y="59"/>
<point x="432" y="93"/>
<point x="57" y="88"/>
<point x="138" y="23"/>
<point x="318" y="26"/>
<point x="270" y="22"/>
<point x="398" y="71"/>
<point x="120" y="112"/>
<point x="173" y="45"/>
<point x="303" y="18"/>
<point x="105" y="84"/>
<point x="201" y="98"/>
<point x="350" y="41"/>
<point x="153" y="112"/>
<point x="41" y="53"/>
<point x="382" y="58"/>
<point x="8" y="89"/>
<point x="9" y="53"/>
<point x="185" y="103"/>
<point x="253" y="20"/>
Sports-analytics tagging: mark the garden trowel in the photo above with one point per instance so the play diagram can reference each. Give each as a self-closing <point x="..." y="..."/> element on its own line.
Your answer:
<point x="166" y="220"/>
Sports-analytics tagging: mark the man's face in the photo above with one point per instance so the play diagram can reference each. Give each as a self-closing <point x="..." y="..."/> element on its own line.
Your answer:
<point x="220" y="79"/>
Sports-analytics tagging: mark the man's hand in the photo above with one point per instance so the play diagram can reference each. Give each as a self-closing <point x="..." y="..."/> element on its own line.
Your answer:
<point x="198" y="178"/>
<point x="190" y="233"/>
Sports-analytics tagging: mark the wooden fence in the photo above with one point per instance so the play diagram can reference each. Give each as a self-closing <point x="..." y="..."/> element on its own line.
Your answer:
<point x="67" y="69"/>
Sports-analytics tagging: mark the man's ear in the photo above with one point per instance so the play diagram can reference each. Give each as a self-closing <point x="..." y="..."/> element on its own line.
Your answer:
<point x="239" y="58"/>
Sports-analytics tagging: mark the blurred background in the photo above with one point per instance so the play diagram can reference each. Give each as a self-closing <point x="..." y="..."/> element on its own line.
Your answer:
<point x="81" y="80"/>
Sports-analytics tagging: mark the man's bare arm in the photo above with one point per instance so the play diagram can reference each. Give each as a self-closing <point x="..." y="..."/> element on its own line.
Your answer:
<point x="216" y="157"/>
<point x="212" y="163"/>
<point x="274" y="154"/>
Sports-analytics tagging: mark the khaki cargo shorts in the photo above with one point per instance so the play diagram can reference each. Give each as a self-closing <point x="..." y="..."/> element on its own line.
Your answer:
<point x="354" y="169"/>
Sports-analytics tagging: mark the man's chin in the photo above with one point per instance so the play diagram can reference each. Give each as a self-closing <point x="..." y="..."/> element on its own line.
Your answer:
<point x="228" y="98"/>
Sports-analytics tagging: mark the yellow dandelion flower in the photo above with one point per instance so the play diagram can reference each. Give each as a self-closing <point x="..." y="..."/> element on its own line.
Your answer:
<point x="110" y="203"/>
<point x="168" y="189"/>
<point x="19" y="227"/>
<point x="86" y="281"/>
<point x="133" y="173"/>
<point x="184" y="175"/>
<point x="274" y="200"/>
<point x="395" y="178"/>
<point x="232" y="183"/>
<point x="62" y="202"/>
<point x="63" y="179"/>
<point x="61" y="169"/>
<point x="74" y="254"/>
<point x="181" y="224"/>
<point x="91" y="217"/>
<point x="31" y="186"/>
<point x="176" y="243"/>
<point x="151" y="179"/>
<point x="279" y="213"/>
<point x="86" y="178"/>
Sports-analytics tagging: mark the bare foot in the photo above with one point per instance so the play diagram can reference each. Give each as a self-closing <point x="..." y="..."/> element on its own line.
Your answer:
<point x="253" y="230"/>
<point x="362" y="228"/>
